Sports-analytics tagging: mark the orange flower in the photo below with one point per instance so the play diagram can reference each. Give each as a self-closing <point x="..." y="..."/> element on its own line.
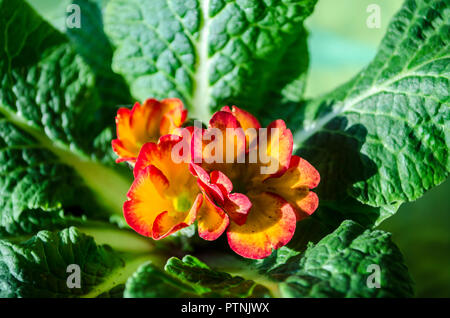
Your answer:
<point x="262" y="215"/>
<point x="256" y="194"/>
<point x="145" y="123"/>
<point x="164" y="197"/>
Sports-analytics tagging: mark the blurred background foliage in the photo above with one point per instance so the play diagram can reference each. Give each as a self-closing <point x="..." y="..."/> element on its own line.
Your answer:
<point x="340" y="44"/>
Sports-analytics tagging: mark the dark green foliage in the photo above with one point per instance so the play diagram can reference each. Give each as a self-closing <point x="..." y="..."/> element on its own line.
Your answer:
<point x="189" y="278"/>
<point x="38" y="267"/>
<point x="378" y="141"/>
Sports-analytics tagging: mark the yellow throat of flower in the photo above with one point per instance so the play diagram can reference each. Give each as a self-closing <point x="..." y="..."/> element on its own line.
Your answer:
<point x="182" y="203"/>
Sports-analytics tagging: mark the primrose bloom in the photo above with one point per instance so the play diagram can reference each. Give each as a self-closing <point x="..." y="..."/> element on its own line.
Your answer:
<point x="164" y="196"/>
<point x="145" y="123"/>
<point x="259" y="191"/>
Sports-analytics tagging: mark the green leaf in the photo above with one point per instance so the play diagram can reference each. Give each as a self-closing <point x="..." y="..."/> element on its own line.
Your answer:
<point x="189" y="278"/>
<point x="94" y="46"/>
<point x="49" y="123"/>
<point x="383" y="138"/>
<point x="339" y="266"/>
<point x="210" y="53"/>
<point x="38" y="267"/>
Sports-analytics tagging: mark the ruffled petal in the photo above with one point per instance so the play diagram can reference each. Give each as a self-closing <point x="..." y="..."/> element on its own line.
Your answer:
<point x="173" y="115"/>
<point x="145" y="123"/>
<point x="279" y="146"/>
<point x="160" y="156"/>
<point x="245" y="119"/>
<point x="218" y="187"/>
<point x="125" y="146"/>
<point x="124" y="153"/>
<point x="169" y="222"/>
<point x="212" y="220"/>
<point x="237" y="206"/>
<point x="144" y="203"/>
<point x="294" y="186"/>
<point x="303" y="172"/>
<point x="233" y="138"/>
<point x="270" y="225"/>
<point x="204" y="182"/>
<point x="145" y="119"/>
<point x="222" y="181"/>
<point x="307" y="205"/>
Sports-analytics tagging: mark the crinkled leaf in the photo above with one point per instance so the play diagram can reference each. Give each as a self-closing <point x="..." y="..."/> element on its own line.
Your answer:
<point x="342" y="263"/>
<point x="339" y="265"/>
<point x="383" y="138"/>
<point x="210" y="53"/>
<point x="189" y="277"/>
<point x="49" y="118"/>
<point x="94" y="46"/>
<point x="38" y="267"/>
<point x="91" y="43"/>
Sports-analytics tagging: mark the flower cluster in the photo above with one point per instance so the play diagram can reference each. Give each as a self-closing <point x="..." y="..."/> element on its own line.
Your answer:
<point x="234" y="176"/>
<point x="145" y="123"/>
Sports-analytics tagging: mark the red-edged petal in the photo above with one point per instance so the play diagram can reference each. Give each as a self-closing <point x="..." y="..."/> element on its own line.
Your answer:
<point x="125" y="146"/>
<point x="223" y="120"/>
<point x="147" y="155"/>
<point x="212" y="220"/>
<point x="204" y="182"/>
<point x="249" y="124"/>
<point x="123" y="124"/>
<point x="233" y="139"/>
<point x="145" y="120"/>
<point x="303" y="172"/>
<point x="146" y="123"/>
<point x="144" y="203"/>
<point x="270" y="225"/>
<point x="280" y="145"/>
<point x="159" y="180"/>
<point x="159" y="155"/>
<point x="134" y="219"/>
<point x="173" y="115"/>
<point x="237" y="206"/>
<point x="245" y="119"/>
<point x="307" y="205"/>
<point x="123" y="153"/>
<point x="167" y="223"/>
<point x="222" y="181"/>
<point x="294" y="186"/>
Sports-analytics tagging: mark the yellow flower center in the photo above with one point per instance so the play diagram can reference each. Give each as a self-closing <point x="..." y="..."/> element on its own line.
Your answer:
<point x="182" y="203"/>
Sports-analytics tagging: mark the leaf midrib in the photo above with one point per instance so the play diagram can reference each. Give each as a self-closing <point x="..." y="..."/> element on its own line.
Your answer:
<point x="201" y="97"/>
<point x="341" y="107"/>
<point x="405" y="72"/>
